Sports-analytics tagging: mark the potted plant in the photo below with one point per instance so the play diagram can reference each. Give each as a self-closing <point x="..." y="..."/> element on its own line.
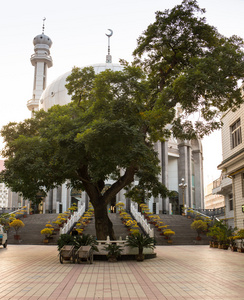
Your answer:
<point x="47" y="232"/>
<point x="16" y="225"/>
<point x="114" y="251"/>
<point x="222" y="234"/>
<point x="169" y="233"/>
<point x="85" y="240"/>
<point x="240" y="235"/>
<point x="140" y="241"/>
<point x="200" y="226"/>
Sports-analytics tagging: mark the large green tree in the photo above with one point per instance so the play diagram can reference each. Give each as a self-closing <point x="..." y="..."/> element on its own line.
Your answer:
<point x="191" y="63"/>
<point x="109" y="128"/>
<point x="101" y="134"/>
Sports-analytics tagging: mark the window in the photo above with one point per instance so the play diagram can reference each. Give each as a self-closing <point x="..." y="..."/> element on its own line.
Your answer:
<point x="242" y="183"/>
<point x="236" y="133"/>
<point x="231" y="201"/>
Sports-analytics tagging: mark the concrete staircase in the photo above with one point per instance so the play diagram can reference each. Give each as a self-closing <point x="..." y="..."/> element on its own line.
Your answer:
<point x="30" y="234"/>
<point x="184" y="235"/>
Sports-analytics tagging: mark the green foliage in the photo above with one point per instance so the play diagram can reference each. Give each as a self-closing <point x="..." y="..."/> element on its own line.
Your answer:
<point x="113" y="250"/>
<point x="191" y="63"/>
<point x="85" y="240"/>
<point x="65" y="239"/>
<point x="140" y="241"/>
<point x="221" y="232"/>
<point x="77" y="241"/>
<point x="240" y="233"/>
<point x="84" y="141"/>
<point x="182" y="65"/>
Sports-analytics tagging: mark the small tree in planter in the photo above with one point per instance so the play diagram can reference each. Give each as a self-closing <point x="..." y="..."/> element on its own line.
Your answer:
<point x="169" y="233"/>
<point x="47" y="232"/>
<point x="200" y="226"/>
<point x="16" y="225"/>
<point x="114" y="251"/>
<point x="140" y="241"/>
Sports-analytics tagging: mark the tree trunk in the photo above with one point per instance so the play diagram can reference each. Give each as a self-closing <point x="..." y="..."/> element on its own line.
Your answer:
<point x="103" y="225"/>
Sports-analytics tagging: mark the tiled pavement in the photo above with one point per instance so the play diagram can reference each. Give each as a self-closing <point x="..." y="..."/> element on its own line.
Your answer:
<point x="178" y="272"/>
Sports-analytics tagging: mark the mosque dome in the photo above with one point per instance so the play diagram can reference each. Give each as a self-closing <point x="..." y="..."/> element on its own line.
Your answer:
<point x="42" y="39"/>
<point x="56" y="92"/>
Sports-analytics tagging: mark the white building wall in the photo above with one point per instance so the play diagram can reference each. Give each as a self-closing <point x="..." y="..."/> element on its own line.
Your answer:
<point x="228" y="119"/>
<point x="233" y="163"/>
<point x="239" y="201"/>
<point x="3" y="195"/>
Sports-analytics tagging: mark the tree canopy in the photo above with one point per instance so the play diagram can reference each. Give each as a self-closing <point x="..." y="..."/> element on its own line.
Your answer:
<point x="110" y="127"/>
<point x="191" y="63"/>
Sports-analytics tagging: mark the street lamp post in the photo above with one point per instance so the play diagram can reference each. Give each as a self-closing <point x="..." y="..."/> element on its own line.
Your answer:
<point x="183" y="186"/>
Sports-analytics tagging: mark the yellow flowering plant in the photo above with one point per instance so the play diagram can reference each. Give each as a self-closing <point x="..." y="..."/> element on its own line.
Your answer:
<point x="47" y="232"/>
<point x="16" y="225"/>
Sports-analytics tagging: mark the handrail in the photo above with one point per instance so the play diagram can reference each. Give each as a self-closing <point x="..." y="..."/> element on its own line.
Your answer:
<point x="195" y="211"/>
<point x="141" y="219"/>
<point x="73" y="219"/>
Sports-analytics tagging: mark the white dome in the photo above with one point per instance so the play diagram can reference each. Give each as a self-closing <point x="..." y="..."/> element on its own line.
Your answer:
<point x="56" y="92"/>
<point x="42" y="39"/>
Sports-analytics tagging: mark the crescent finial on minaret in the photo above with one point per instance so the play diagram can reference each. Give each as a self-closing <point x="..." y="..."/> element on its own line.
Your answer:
<point x="109" y="57"/>
<point x="43" y="25"/>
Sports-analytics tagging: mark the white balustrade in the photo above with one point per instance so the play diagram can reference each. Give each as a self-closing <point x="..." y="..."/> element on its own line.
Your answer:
<point x="127" y="250"/>
<point x="73" y="219"/>
<point x="141" y="219"/>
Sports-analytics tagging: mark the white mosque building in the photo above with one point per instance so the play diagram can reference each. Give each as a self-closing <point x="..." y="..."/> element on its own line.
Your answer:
<point x="179" y="159"/>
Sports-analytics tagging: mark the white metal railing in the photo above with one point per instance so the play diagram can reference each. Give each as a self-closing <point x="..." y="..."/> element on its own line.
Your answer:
<point x="73" y="219"/>
<point x="141" y="219"/>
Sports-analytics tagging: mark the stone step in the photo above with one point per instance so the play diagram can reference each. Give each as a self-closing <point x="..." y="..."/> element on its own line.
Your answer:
<point x="30" y="234"/>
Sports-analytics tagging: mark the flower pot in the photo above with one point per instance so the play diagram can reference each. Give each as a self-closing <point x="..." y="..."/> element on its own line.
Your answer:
<point x="233" y="248"/>
<point x="45" y="241"/>
<point x="241" y="250"/>
<point x="112" y="259"/>
<point x="140" y="257"/>
<point x="169" y="241"/>
<point x="166" y="237"/>
<point x="198" y="238"/>
<point x="25" y="216"/>
<point x="16" y="237"/>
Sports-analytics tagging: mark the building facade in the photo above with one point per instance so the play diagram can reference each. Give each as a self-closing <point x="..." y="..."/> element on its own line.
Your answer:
<point x="178" y="159"/>
<point x="232" y="165"/>
<point x="213" y="201"/>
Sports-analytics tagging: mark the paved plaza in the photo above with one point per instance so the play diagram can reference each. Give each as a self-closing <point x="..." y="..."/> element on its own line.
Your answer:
<point x="178" y="272"/>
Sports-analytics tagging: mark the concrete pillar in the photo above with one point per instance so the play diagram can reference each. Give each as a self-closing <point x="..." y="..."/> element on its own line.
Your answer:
<point x="198" y="170"/>
<point x="164" y="204"/>
<point x="64" y="197"/>
<point x="183" y="170"/>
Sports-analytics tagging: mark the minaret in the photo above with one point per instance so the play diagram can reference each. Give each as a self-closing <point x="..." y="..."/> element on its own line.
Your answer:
<point x="41" y="60"/>
<point x="109" y="57"/>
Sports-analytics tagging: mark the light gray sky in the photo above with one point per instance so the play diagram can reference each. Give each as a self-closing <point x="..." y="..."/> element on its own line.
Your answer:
<point x="77" y="29"/>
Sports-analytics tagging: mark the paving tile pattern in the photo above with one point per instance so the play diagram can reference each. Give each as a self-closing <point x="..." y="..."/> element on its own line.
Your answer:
<point x="29" y="272"/>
